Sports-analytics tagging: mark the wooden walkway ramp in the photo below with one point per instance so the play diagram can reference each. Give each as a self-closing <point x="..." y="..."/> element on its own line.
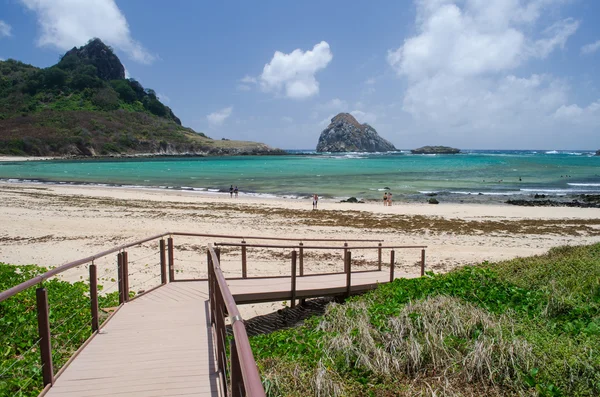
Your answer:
<point x="156" y="345"/>
<point x="160" y="344"/>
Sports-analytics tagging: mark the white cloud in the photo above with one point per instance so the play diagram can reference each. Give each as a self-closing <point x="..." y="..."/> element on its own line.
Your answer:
<point x="574" y="114"/>
<point x="556" y="36"/>
<point x="460" y="68"/>
<point x="287" y="119"/>
<point x="70" y="23"/>
<point x="364" y="117"/>
<point x="334" y="105"/>
<point x="590" y="48"/>
<point x="163" y="98"/>
<point x="217" y="118"/>
<point x="246" y="83"/>
<point x="370" y="81"/>
<point x="248" y="79"/>
<point x="5" y="29"/>
<point x="294" y="73"/>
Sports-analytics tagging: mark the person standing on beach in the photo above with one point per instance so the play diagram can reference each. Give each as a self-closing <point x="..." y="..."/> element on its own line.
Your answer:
<point x="231" y="191"/>
<point x="390" y="199"/>
<point x="235" y="190"/>
<point x="315" y="201"/>
<point x="385" y="199"/>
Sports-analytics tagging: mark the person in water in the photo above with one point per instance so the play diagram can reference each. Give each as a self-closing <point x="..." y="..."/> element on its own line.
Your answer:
<point x="235" y="190"/>
<point x="315" y="201"/>
<point x="385" y="199"/>
<point x="389" y="199"/>
<point x="231" y="191"/>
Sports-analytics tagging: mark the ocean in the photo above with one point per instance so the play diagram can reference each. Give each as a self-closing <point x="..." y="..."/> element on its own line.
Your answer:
<point x="474" y="175"/>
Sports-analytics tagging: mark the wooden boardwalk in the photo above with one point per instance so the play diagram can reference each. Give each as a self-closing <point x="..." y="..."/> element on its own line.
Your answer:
<point x="156" y="345"/>
<point x="160" y="344"/>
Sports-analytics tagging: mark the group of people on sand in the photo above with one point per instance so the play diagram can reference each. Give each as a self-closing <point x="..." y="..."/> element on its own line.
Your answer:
<point x="232" y="191"/>
<point x="387" y="198"/>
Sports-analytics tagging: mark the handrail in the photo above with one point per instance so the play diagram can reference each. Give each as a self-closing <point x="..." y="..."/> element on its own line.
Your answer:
<point x="38" y="279"/>
<point x="250" y="378"/>
<point x="317" y="247"/>
<point x="270" y="238"/>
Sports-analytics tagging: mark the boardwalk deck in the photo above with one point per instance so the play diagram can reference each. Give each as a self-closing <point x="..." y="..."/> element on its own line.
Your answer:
<point x="159" y="344"/>
<point x="254" y="290"/>
<point x="156" y="345"/>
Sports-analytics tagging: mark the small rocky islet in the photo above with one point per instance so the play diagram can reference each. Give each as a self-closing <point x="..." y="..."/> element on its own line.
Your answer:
<point x="435" y="150"/>
<point x="346" y="134"/>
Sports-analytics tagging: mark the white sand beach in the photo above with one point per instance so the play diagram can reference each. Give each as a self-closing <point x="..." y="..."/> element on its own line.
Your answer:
<point x="49" y="225"/>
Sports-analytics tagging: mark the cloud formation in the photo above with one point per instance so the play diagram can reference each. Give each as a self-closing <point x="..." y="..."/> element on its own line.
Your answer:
<point x="218" y="118"/>
<point x="67" y="23"/>
<point x="461" y="70"/>
<point x="294" y="73"/>
<point x="5" y="29"/>
<point x="590" y="48"/>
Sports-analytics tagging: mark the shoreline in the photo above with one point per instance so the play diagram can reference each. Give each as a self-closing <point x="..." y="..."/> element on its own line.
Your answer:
<point x="526" y="198"/>
<point x="50" y="225"/>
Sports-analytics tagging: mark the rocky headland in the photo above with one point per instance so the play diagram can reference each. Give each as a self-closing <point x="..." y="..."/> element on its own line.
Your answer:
<point x="435" y="150"/>
<point x="598" y="152"/>
<point x="84" y="106"/>
<point x="345" y="134"/>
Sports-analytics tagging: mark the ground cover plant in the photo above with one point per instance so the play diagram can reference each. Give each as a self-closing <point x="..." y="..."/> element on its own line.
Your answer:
<point x="529" y="326"/>
<point x="70" y="326"/>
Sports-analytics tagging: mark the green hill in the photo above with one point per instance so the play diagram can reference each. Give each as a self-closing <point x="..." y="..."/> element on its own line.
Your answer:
<point x="85" y="106"/>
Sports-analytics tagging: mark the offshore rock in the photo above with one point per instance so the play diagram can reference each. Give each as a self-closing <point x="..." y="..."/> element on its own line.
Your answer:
<point x="435" y="150"/>
<point x="345" y="134"/>
<point x="96" y="53"/>
<point x="598" y="152"/>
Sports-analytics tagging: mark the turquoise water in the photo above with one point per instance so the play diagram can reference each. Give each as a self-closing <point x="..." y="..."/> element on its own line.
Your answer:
<point x="481" y="173"/>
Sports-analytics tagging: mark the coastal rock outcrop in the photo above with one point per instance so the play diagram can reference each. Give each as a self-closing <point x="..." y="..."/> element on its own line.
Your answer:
<point x="345" y="134"/>
<point x="598" y="152"/>
<point x="435" y="150"/>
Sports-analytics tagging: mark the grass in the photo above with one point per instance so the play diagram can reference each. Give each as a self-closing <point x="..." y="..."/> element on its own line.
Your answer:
<point x="528" y="326"/>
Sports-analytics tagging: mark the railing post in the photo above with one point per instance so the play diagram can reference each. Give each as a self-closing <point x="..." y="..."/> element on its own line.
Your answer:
<point x="301" y="259"/>
<point x="348" y="273"/>
<point x="422" y="262"/>
<point x="163" y="262"/>
<point x="392" y="262"/>
<point x="244" y="268"/>
<point x="211" y="287"/>
<point x="236" y="371"/>
<point x="44" y="333"/>
<point x="171" y="264"/>
<point x="294" y="253"/>
<point x="120" y="277"/>
<point x="125" y="277"/>
<point x="94" y="297"/>
<point x="379" y="257"/>
<point x="345" y="252"/>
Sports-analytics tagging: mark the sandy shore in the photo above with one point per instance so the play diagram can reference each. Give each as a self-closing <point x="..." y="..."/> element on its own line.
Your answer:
<point x="51" y="225"/>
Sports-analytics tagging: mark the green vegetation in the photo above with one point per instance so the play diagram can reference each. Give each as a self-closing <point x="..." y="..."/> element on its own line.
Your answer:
<point x="529" y="326"/>
<point x="85" y="106"/>
<point x="70" y="325"/>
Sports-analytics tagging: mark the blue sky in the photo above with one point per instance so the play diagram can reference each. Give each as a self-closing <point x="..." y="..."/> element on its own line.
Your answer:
<point x="473" y="74"/>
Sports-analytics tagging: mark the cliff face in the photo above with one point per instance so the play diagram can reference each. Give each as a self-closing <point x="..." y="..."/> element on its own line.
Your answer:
<point x="345" y="134"/>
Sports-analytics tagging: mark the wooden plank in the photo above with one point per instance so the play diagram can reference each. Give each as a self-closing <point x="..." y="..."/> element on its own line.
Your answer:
<point x="157" y="345"/>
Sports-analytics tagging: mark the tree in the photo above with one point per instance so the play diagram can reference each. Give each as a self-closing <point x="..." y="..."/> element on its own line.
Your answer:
<point x="54" y="77"/>
<point x="124" y="90"/>
<point x="106" y="99"/>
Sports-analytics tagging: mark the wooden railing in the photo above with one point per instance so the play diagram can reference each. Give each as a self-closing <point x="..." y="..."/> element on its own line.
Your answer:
<point x="240" y="375"/>
<point x="43" y="308"/>
<point x="243" y="379"/>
